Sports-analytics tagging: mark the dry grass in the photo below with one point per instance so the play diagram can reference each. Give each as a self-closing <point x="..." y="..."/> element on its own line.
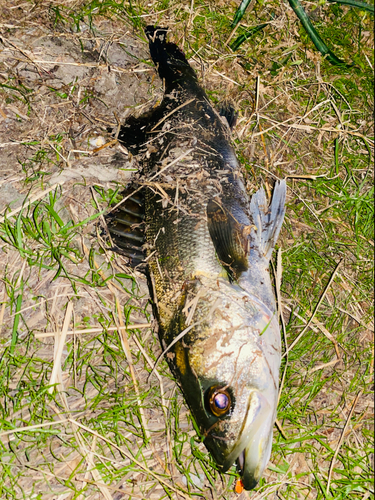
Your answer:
<point x="79" y="416"/>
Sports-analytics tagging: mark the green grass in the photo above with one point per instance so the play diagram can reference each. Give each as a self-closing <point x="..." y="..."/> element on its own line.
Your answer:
<point x="106" y="436"/>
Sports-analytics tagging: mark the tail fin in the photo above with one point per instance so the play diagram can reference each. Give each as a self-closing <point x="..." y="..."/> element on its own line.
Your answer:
<point x="268" y="219"/>
<point x="168" y="58"/>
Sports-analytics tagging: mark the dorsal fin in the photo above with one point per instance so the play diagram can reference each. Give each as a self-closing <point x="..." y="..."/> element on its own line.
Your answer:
<point x="230" y="238"/>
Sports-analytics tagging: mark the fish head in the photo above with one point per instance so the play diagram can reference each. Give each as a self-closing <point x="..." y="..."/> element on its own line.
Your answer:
<point x="244" y="439"/>
<point x="229" y="369"/>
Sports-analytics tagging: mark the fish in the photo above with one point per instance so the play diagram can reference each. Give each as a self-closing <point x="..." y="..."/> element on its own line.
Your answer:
<point x="206" y="246"/>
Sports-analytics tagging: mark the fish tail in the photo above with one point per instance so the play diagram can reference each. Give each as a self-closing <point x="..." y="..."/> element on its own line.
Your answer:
<point x="268" y="219"/>
<point x="170" y="61"/>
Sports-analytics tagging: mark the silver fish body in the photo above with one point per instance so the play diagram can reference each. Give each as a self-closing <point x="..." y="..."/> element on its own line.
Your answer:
<point x="208" y="254"/>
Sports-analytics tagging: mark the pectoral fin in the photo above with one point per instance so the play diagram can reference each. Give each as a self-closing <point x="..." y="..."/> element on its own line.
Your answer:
<point x="229" y="237"/>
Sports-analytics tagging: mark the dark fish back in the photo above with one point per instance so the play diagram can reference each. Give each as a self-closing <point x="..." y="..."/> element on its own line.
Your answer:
<point x="196" y="206"/>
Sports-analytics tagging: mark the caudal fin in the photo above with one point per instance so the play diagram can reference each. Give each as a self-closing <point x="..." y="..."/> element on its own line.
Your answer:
<point x="170" y="61"/>
<point x="268" y="219"/>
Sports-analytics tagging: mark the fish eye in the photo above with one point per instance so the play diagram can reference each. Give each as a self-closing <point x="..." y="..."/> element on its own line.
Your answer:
<point x="218" y="400"/>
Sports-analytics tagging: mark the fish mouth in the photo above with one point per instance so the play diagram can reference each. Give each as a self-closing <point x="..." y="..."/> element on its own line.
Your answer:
<point x="253" y="447"/>
<point x="249" y="481"/>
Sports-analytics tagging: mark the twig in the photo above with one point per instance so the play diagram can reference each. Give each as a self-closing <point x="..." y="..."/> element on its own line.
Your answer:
<point x="280" y="427"/>
<point x="306" y="176"/>
<point x="106" y="145"/>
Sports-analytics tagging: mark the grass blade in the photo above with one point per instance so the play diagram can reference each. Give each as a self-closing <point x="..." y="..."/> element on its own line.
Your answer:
<point x="355" y="3"/>
<point x="15" y="324"/>
<point x="313" y="34"/>
<point x="240" y="12"/>
<point x="245" y="36"/>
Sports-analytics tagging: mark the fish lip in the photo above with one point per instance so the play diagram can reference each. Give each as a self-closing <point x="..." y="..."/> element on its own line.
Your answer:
<point x="231" y="459"/>
<point x="258" y="414"/>
<point x="249" y="481"/>
<point x="248" y="477"/>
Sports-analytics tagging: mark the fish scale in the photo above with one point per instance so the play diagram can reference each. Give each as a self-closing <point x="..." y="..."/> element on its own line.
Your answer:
<point x="208" y="249"/>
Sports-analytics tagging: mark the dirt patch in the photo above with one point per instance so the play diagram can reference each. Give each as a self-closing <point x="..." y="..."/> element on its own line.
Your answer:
<point x="61" y="95"/>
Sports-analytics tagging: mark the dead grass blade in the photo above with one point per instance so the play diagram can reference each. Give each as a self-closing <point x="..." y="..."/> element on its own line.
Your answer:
<point x="172" y="112"/>
<point x="56" y="376"/>
<point x="91" y="468"/>
<point x="163" y="403"/>
<point x="174" y="341"/>
<point x="32" y="427"/>
<point x="131" y="458"/>
<point x="126" y="348"/>
<point x="95" y="330"/>
<point x="278" y="275"/>
<point x="331" y="338"/>
<point x="341" y="441"/>
<point x="58" y="350"/>
<point x="324" y="365"/>
<point x="176" y="160"/>
<point x="30" y="201"/>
